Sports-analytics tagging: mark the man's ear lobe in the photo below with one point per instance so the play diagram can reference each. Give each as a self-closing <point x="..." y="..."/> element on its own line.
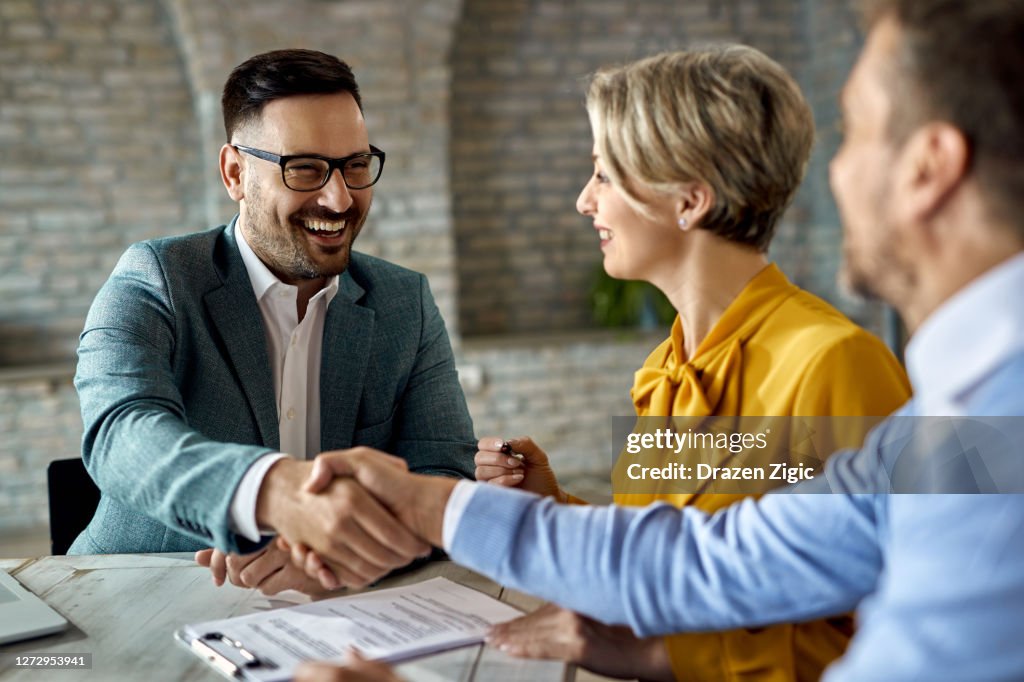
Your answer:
<point x="937" y="157"/>
<point x="231" y="170"/>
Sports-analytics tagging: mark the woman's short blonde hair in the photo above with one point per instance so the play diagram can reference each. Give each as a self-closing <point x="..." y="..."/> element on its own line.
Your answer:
<point x="726" y="116"/>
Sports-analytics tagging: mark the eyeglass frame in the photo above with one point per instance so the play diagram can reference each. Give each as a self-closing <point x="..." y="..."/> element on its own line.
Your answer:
<point x="332" y="164"/>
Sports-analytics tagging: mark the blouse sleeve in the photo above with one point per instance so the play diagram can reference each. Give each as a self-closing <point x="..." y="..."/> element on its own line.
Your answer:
<point x="854" y="376"/>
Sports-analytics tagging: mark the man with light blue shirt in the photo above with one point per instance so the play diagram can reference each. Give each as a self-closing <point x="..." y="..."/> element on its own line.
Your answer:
<point x="930" y="186"/>
<point x="214" y="365"/>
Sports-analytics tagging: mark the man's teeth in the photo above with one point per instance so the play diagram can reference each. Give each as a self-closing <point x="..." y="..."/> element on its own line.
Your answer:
<point x="324" y="226"/>
<point x="604" y="234"/>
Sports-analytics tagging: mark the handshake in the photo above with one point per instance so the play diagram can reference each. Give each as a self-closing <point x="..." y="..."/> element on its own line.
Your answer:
<point x="350" y="517"/>
<point x="345" y="519"/>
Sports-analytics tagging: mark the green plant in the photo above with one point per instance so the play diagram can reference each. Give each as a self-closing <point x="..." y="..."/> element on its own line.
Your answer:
<point x="628" y="303"/>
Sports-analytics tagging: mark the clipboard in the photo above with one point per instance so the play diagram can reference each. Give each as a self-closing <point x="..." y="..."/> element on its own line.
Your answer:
<point x="390" y="625"/>
<point x="227" y="656"/>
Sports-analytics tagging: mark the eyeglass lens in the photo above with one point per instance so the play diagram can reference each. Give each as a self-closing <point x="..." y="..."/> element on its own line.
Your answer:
<point x="310" y="173"/>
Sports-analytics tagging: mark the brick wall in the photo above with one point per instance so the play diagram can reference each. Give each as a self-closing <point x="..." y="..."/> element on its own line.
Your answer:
<point x="39" y="421"/>
<point x="521" y="141"/>
<point x="110" y="125"/>
<point x="398" y="50"/>
<point x="109" y="130"/>
<point x="561" y="390"/>
<point x="99" y="150"/>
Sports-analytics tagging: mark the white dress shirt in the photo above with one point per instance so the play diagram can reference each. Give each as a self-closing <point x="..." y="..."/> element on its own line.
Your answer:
<point x="459" y="499"/>
<point x="294" y="349"/>
<point x="980" y="326"/>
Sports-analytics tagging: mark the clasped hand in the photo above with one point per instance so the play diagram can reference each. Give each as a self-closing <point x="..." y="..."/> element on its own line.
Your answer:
<point x="325" y="506"/>
<point x="417" y="501"/>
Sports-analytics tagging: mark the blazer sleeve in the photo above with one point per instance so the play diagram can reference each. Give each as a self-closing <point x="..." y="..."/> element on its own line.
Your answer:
<point x="435" y="432"/>
<point x="137" y="443"/>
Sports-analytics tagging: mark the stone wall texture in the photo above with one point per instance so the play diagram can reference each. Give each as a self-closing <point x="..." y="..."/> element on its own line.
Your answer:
<point x="109" y="131"/>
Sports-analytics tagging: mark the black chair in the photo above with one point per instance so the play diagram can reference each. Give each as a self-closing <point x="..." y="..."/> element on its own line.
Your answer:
<point x="73" y="501"/>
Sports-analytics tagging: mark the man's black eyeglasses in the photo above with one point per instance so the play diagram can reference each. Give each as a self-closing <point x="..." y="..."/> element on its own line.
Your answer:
<point x="310" y="172"/>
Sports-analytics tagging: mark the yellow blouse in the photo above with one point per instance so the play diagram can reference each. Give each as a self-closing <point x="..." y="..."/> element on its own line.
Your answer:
<point x="776" y="351"/>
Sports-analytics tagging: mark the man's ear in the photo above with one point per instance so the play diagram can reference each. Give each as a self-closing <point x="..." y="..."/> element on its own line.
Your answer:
<point x="231" y="170"/>
<point x="695" y="200"/>
<point x="934" y="162"/>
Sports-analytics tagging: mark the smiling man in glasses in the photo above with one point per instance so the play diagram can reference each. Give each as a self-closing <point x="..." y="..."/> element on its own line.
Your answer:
<point x="214" y="365"/>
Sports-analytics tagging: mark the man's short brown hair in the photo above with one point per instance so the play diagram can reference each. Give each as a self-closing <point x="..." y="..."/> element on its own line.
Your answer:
<point x="962" y="61"/>
<point x="274" y="75"/>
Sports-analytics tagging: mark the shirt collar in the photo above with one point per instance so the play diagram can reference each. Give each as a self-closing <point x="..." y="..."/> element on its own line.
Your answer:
<point x="260" y="276"/>
<point x="966" y="338"/>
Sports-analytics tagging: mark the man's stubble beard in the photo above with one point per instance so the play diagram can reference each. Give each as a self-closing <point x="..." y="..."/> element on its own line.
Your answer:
<point x="880" y="272"/>
<point x="286" y="249"/>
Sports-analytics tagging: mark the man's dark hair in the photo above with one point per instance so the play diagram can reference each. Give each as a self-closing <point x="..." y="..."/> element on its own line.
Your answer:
<point x="278" y="74"/>
<point x="962" y="61"/>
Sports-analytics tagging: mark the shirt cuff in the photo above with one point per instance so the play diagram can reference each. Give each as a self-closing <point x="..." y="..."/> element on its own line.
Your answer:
<point x="461" y="495"/>
<point x="243" y="504"/>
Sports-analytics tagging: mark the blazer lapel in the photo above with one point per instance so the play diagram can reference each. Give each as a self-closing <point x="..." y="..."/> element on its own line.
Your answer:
<point x="237" y="320"/>
<point x="348" y="338"/>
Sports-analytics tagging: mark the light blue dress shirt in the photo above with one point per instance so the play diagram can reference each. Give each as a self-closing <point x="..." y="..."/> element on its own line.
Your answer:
<point x="937" y="579"/>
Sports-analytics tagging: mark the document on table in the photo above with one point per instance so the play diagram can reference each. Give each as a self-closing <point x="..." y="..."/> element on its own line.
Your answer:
<point x="390" y="625"/>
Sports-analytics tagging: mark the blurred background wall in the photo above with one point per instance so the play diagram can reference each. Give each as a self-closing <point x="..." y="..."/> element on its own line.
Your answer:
<point x="109" y="131"/>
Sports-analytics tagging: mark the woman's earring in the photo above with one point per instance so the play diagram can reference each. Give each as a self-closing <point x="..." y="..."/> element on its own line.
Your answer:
<point x="682" y="223"/>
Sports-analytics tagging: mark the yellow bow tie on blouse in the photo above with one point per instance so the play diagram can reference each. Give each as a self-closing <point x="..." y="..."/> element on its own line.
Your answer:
<point x="710" y="382"/>
<point x="707" y="386"/>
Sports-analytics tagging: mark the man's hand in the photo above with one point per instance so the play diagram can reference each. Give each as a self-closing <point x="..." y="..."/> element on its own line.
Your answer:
<point x="270" y="571"/>
<point x="417" y="501"/>
<point x="553" y="632"/>
<point x="343" y="523"/>
<point x="356" y="669"/>
<point x="533" y="472"/>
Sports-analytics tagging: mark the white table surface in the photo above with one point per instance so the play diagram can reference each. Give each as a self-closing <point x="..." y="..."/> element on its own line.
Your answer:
<point x="124" y="609"/>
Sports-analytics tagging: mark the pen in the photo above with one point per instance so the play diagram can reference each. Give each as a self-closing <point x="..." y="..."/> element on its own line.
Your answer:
<point x="506" y="449"/>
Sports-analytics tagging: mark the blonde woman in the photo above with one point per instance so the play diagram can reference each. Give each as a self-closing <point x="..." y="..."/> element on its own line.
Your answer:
<point x="696" y="156"/>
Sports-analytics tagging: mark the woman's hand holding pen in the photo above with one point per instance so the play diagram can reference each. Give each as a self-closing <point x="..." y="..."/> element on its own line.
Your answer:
<point x="517" y="462"/>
